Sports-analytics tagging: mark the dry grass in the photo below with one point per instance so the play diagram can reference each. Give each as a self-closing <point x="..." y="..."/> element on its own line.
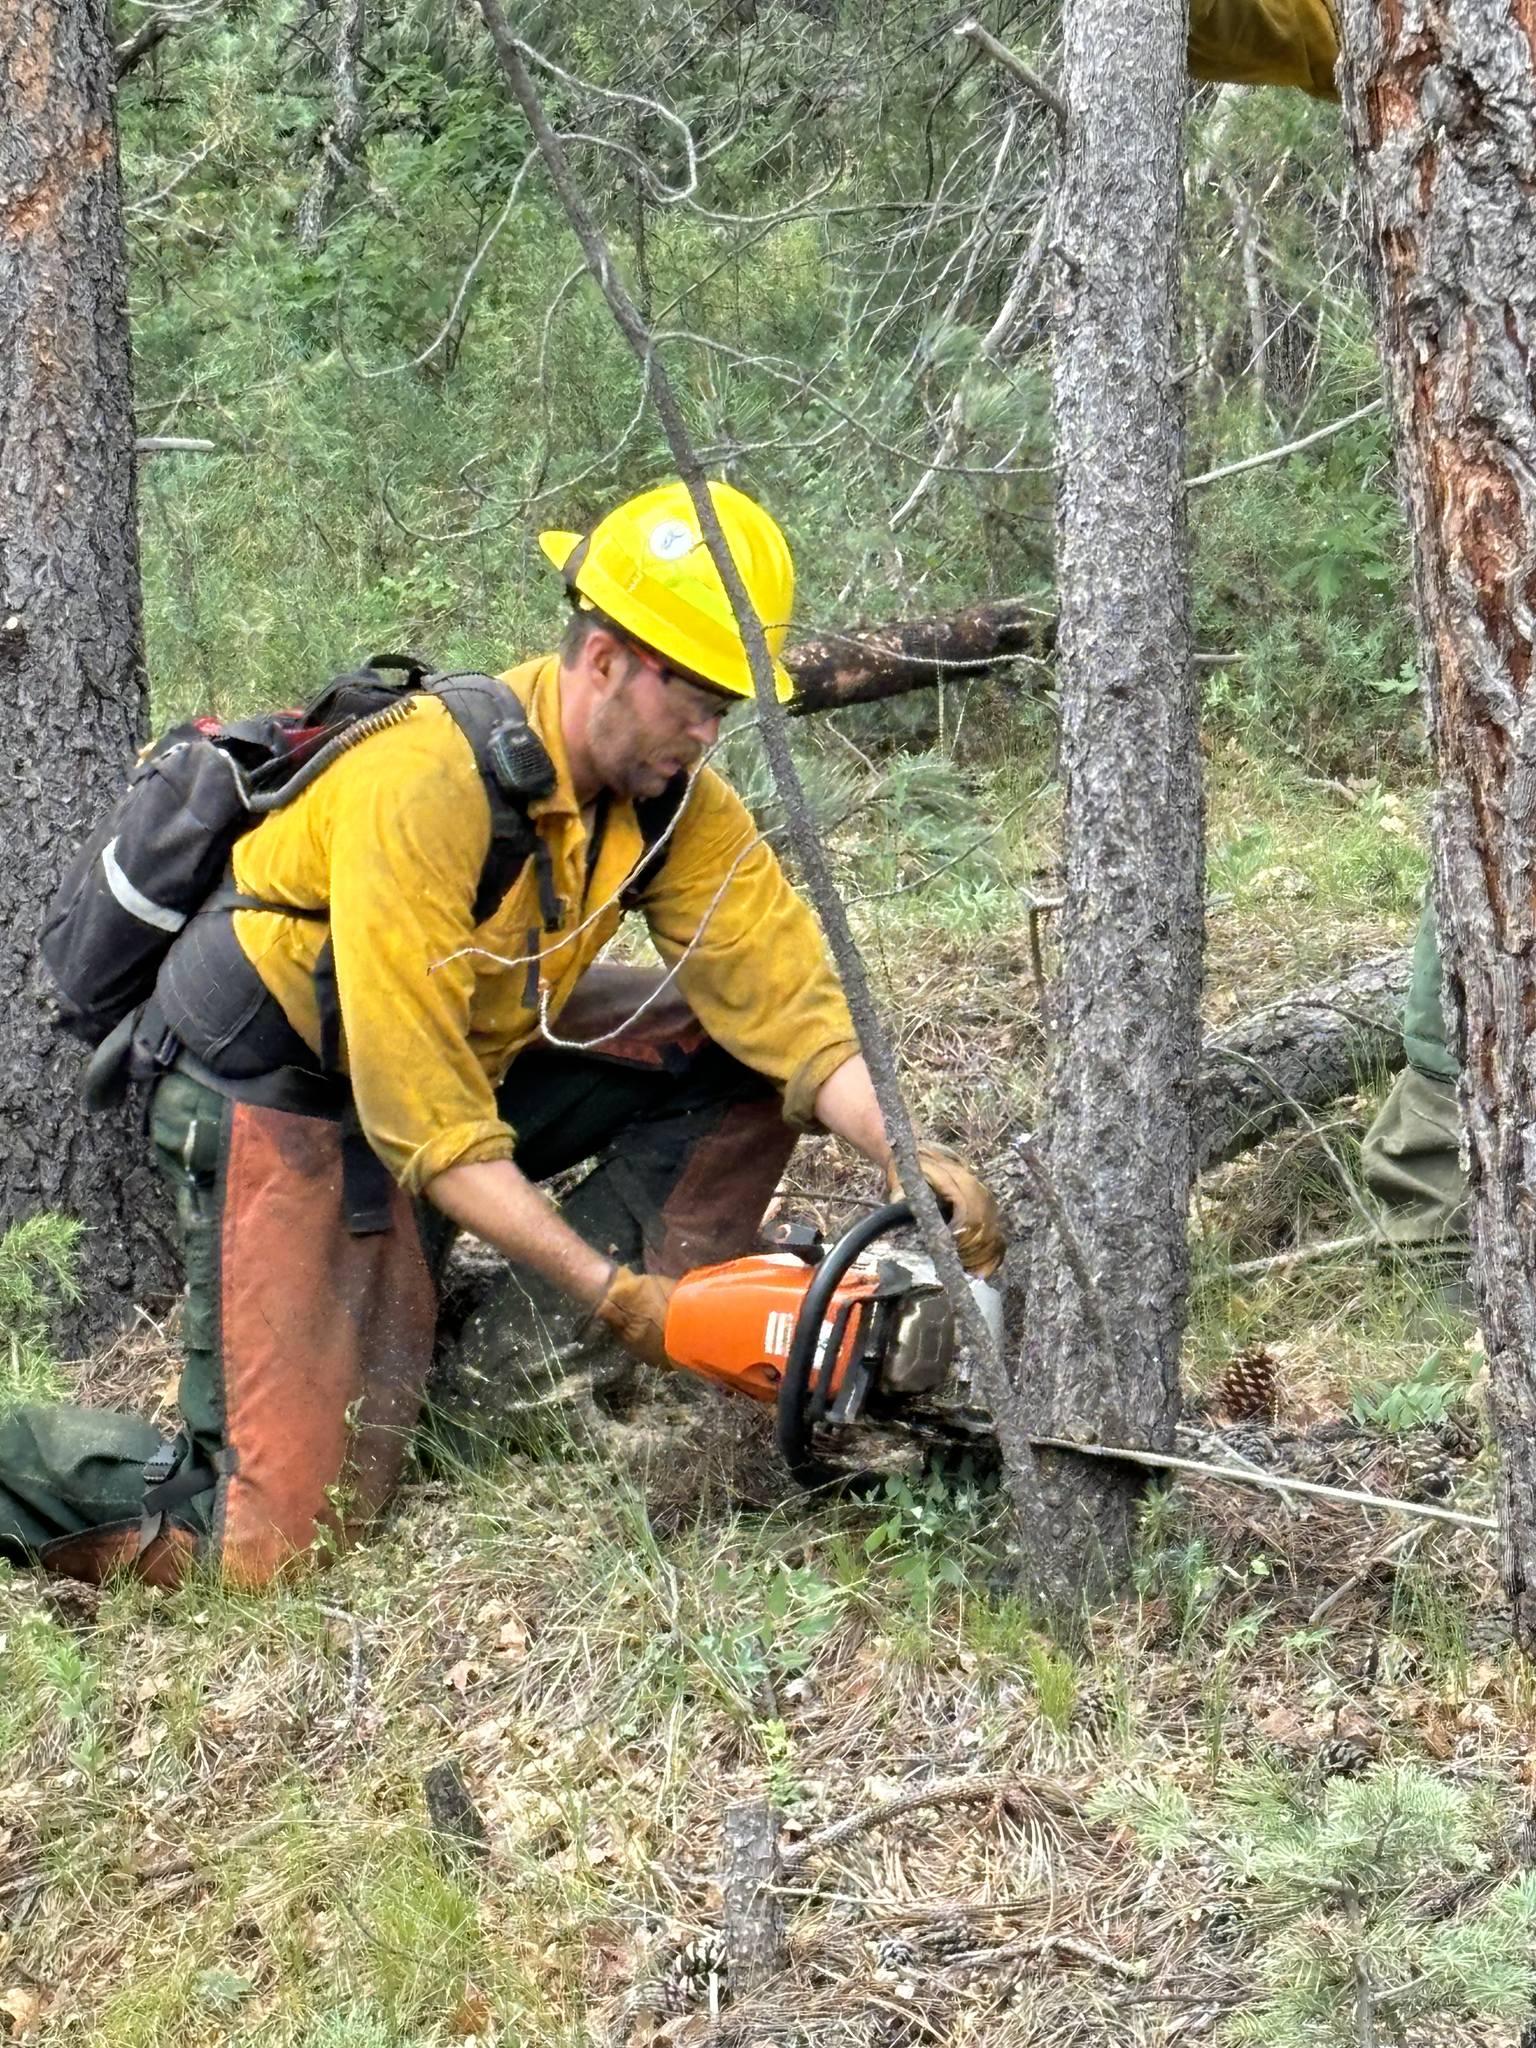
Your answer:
<point x="212" y="1825"/>
<point x="212" y="1821"/>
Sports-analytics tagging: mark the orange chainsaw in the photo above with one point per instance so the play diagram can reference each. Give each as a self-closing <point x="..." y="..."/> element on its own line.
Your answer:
<point x="830" y="1335"/>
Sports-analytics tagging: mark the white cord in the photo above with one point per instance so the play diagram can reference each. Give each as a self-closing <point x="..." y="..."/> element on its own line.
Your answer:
<point x="586" y="1044"/>
<point x="567" y="938"/>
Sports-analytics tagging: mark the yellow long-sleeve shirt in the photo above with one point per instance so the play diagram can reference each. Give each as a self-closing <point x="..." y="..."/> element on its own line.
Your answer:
<point x="1265" y="42"/>
<point x="392" y="839"/>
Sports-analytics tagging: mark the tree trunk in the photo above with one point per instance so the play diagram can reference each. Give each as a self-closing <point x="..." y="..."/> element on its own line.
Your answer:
<point x="1439" y="104"/>
<point x="340" y="138"/>
<point x="1103" y="1361"/>
<point x="71" y="673"/>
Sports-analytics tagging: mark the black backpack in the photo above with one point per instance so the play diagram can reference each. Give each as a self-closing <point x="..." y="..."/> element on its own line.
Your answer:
<point x="162" y="851"/>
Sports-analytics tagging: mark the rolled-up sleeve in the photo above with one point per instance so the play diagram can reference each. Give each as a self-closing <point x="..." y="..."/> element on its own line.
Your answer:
<point x="748" y="952"/>
<point x="403" y="878"/>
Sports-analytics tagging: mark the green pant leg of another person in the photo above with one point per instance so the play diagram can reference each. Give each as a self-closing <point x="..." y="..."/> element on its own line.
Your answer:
<point x="66" y="1469"/>
<point x="1411" y="1155"/>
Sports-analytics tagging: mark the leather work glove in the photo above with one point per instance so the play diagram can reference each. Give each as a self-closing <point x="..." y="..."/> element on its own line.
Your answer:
<point x="635" y="1309"/>
<point x="973" y="1217"/>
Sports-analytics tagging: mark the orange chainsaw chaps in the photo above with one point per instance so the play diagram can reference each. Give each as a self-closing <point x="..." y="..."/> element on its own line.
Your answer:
<point x="733" y="1323"/>
<point x="326" y="1342"/>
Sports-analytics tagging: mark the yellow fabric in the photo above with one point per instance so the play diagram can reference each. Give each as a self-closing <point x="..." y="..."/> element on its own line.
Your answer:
<point x="393" y="838"/>
<point x="647" y="567"/>
<point x="1265" y="42"/>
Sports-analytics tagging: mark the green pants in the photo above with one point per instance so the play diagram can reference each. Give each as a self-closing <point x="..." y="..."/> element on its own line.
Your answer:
<point x="1411" y="1155"/>
<point x="66" y="1469"/>
<point x="684" y="1147"/>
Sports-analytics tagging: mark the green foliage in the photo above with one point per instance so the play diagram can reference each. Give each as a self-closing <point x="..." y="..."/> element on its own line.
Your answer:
<point x="929" y="1532"/>
<point x="52" y="1684"/>
<point x="1302" y="569"/>
<point x="418" y="1936"/>
<point x="1054" y="1676"/>
<point x="1157" y="1812"/>
<point x="391" y="431"/>
<point x="1408" y="1404"/>
<point x="1333" y="1886"/>
<point x="37" y="1273"/>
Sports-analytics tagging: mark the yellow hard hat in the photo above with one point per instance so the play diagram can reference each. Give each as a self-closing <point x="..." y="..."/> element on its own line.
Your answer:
<point x="645" y="567"/>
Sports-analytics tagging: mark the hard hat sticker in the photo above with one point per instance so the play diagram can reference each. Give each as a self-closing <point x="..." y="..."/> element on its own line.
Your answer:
<point x="672" y="539"/>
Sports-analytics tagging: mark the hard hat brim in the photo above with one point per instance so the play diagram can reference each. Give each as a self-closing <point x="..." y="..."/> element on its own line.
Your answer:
<point x="559" y="547"/>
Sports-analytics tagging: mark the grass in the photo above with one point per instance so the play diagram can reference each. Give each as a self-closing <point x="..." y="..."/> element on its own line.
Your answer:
<point x="212" y="1822"/>
<point x="36" y="1271"/>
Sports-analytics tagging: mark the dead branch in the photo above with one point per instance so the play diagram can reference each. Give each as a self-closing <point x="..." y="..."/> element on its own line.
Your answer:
<point x="1048" y="1944"/>
<point x="1211" y="476"/>
<point x="1016" y="67"/>
<point x="149" y="35"/>
<point x="1281" y="1262"/>
<point x="1275" y="1482"/>
<point x="753" y="1922"/>
<point x="1050" y="1792"/>
<point x="1272" y="1068"/>
<point x="874" y="1039"/>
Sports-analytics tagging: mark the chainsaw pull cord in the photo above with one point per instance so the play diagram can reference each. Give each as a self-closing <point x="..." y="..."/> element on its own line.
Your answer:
<point x="792" y="1429"/>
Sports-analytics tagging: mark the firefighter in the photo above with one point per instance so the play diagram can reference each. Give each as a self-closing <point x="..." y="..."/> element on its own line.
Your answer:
<point x="481" y="1059"/>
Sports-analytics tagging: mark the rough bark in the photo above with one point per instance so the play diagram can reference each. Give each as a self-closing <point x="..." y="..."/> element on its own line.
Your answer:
<point x="1266" y="1071"/>
<point x="754" y="1911"/>
<point x="1102" y="1362"/>
<point x="71" y="674"/>
<point x="1439" y="104"/>
<point x="340" y="139"/>
<point x="872" y="662"/>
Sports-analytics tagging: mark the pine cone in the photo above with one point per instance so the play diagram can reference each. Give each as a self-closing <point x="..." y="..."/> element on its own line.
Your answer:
<point x="1093" y="1710"/>
<point x="1459" y="1436"/>
<point x="1489" y="1632"/>
<point x="1422" y="1471"/>
<point x="1249" y="1385"/>
<point x="948" y="1938"/>
<point x="1251" y="1440"/>
<point x="1344" y="1756"/>
<point x="650" y="1999"/>
<point x="688" y="1975"/>
<point x="895" y="1952"/>
<point x="1224" y="1926"/>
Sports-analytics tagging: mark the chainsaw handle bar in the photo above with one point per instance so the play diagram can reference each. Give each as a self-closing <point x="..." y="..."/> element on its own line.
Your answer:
<point x="792" y="1427"/>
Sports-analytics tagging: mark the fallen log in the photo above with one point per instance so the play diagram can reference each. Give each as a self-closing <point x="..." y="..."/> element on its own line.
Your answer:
<point x="1276" y="1066"/>
<point x="871" y="662"/>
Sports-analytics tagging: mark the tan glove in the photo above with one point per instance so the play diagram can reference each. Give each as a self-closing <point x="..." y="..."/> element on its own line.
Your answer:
<point x="973" y="1217"/>
<point x="635" y="1309"/>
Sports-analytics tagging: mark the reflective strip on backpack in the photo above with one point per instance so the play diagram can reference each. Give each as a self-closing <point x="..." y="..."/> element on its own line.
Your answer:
<point x="134" y="901"/>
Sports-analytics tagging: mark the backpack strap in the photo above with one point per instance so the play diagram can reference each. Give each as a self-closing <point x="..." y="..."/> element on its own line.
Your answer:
<point x="515" y="770"/>
<point x="656" y="815"/>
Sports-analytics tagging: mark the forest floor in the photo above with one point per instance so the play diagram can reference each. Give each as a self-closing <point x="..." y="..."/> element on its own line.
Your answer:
<point x="1273" y="1795"/>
